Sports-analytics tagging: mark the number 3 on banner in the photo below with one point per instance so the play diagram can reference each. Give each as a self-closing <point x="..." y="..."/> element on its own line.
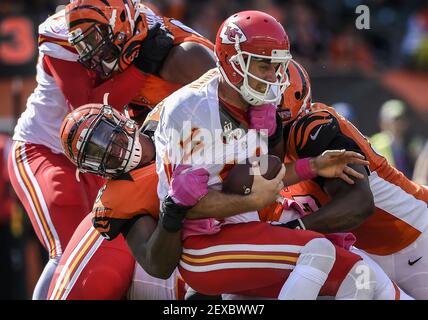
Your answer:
<point x="19" y="46"/>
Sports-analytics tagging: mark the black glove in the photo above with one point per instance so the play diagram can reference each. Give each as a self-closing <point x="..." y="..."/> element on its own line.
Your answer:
<point x="154" y="49"/>
<point x="172" y="215"/>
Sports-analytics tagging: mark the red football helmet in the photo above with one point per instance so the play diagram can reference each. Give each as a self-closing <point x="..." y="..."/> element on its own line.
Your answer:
<point x="251" y="35"/>
<point x="100" y="140"/>
<point x="297" y="97"/>
<point x="99" y="29"/>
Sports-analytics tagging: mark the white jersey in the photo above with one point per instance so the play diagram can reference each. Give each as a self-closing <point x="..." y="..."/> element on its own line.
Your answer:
<point x="46" y="106"/>
<point x="192" y="131"/>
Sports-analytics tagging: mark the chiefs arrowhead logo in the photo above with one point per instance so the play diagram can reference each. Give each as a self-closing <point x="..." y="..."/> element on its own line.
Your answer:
<point x="230" y="32"/>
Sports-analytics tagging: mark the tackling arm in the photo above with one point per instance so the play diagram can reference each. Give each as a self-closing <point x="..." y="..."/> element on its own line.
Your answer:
<point x="187" y="62"/>
<point x="347" y="185"/>
<point x="349" y="207"/>
<point x="155" y="249"/>
<point x="79" y="88"/>
<point x="329" y="164"/>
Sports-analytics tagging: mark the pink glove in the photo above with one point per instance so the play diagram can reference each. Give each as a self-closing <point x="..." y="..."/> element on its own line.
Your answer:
<point x="263" y="117"/>
<point x="188" y="186"/>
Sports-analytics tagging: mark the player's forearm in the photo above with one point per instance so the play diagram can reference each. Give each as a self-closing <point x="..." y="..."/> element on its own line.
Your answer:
<point x="291" y="176"/>
<point x="159" y="254"/>
<point x="332" y="218"/>
<point x="186" y="62"/>
<point x="345" y="212"/>
<point x="217" y="204"/>
<point x="163" y="252"/>
<point x="79" y="89"/>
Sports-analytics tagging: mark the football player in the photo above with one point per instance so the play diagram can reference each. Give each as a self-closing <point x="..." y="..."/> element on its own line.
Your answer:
<point x="99" y="140"/>
<point x="90" y="48"/>
<point x="221" y="254"/>
<point x="387" y="212"/>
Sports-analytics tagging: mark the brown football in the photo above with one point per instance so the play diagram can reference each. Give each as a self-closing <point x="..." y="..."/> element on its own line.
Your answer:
<point x="240" y="180"/>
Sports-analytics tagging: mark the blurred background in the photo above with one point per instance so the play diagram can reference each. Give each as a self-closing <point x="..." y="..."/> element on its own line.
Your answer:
<point x="377" y="77"/>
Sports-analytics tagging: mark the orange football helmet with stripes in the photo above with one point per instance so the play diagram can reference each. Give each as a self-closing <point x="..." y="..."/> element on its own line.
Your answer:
<point x="101" y="140"/>
<point x="98" y="30"/>
<point x="297" y="97"/>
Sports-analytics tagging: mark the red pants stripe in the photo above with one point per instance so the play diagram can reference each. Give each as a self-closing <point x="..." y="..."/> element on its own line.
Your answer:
<point x="252" y="258"/>
<point x="55" y="201"/>
<point x="92" y="268"/>
<point x="73" y="266"/>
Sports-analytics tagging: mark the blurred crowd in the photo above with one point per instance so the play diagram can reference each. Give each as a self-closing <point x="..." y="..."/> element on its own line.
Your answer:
<point x="325" y="31"/>
<point x="320" y="31"/>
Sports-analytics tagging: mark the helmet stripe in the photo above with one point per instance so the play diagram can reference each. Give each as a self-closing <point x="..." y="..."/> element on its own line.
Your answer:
<point x="302" y="77"/>
<point x="75" y="23"/>
<point x="89" y="7"/>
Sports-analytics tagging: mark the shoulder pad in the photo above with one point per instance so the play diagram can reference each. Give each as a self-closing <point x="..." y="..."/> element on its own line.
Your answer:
<point x="55" y="26"/>
<point x="111" y="195"/>
<point x="152" y="119"/>
<point x="53" y="38"/>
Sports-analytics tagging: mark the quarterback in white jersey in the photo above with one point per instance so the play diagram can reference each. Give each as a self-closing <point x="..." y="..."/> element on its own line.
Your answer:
<point x="224" y="117"/>
<point x="196" y="123"/>
<point x="192" y="131"/>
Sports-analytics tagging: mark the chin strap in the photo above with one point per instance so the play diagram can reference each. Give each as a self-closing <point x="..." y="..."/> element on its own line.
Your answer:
<point x="105" y="98"/>
<point x="77" y="175"/>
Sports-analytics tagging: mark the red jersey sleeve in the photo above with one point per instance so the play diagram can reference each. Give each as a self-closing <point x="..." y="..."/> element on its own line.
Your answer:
<point x="80" y="88"/>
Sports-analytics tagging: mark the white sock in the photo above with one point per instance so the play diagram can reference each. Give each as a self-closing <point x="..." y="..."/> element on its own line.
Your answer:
<point x="312" y="268"/>
<point x="41" y="289"/>
<point x="303" y="283"/>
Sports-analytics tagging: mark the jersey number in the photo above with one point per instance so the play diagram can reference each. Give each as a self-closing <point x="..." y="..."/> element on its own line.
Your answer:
<point x="308" y="202"/>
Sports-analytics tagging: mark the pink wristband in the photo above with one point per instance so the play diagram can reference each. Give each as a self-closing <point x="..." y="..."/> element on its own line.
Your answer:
<point x="304" y="170"/>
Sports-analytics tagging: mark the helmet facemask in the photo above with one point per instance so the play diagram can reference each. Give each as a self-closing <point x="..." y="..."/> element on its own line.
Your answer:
<point x="272" y="94"/>
<point x="110" y="146"/>
<point x="96" y="48"/>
